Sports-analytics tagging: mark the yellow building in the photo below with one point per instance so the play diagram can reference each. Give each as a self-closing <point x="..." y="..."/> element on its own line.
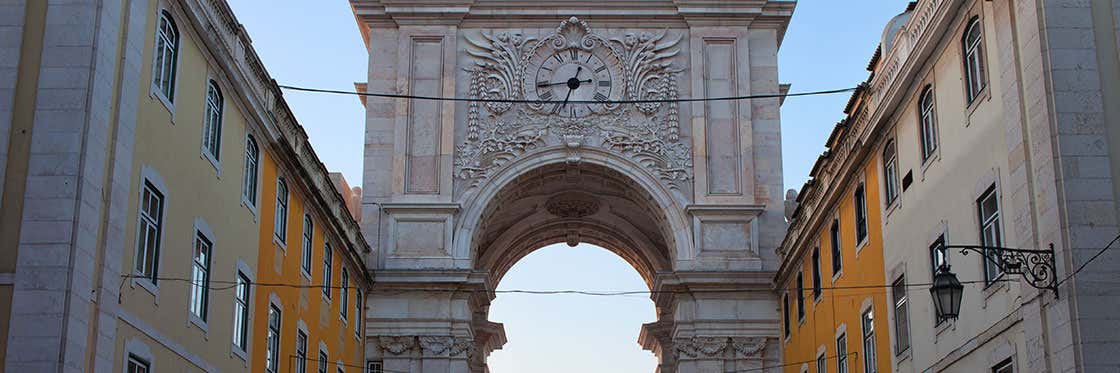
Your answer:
<point x="831" y="277"/>
<point x="142" y="142"/>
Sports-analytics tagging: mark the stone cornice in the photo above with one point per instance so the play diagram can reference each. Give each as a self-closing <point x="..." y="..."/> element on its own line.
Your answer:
<point x="868" y="112"/>
<point x="228" y="42"/>
<point x="495" y="13"/>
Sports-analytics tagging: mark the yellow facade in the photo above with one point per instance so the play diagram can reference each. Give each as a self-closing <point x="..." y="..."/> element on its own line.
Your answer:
<point x="846" y="295"/>
<point x="305" y="307"/>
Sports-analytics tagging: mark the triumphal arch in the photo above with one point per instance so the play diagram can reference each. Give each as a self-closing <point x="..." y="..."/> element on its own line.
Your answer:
<point x="688" y="192"/>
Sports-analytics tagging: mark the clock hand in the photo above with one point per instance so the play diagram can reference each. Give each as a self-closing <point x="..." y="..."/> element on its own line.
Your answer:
<point x="559" y="83"/>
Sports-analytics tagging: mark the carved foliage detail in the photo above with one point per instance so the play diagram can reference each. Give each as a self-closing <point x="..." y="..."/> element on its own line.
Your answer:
<point x="429" y="345"/>
<point x="648" y="133"/>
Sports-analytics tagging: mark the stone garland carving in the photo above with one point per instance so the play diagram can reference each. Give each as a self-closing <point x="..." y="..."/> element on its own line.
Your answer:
<point x="649" y="133"/>
<point x="442" y="346"/>
<point x="716" y="347"/>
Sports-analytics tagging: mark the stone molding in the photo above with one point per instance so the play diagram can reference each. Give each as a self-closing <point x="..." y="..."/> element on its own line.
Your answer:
<point x="428" y="345"/>
<point x="708" y="348"/>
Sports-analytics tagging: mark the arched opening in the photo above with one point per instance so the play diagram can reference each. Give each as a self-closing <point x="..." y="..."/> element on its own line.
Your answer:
<point x="566" y="332"/>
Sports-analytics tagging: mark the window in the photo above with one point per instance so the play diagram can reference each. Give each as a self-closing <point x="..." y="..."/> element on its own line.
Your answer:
<point x="974" y="70"/>
<point x="327" y="254"/>
<point x="937" y="254"/>
<point x="241" y="312"/>
<point x="842" y="354"/>
<point x="937" y="258"/>
<point x="860" y="200"/>
<point x="252" y="164"/>
<point x="167" y="53"/>
<point x="1004" y="367"/>
<point x="281" y="223"/>
<point x="800" y="296"/>
<point x="890" y="173"/>
<point x="928" y="122"/>
<point x="212" y="125"/>
<point x="272" y="354"/>
<point x="822" y="363"/>
<point x="340" y="369"/>
<point x="901" y="315"/>
<point x="816" y="273"/>
<point x="308" y="233"/>
<point x="785" y="313"/>
<point x="358" y="313"/>
<point x="988" y="208"/>
<point x="323" y="361"/>
<point x="137" y="365"/>
<point x="344" y="307"/>
<point x="301" y="352"/>
<point x="200" y="276"/>
<point x="837" y="250"/>
<point x="374" y="367"/>
<point x="150" y="229"/>
<point x="868" y="321"/>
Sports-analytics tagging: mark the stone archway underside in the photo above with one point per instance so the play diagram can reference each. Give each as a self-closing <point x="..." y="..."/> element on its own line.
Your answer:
<point x="572" y="204"/>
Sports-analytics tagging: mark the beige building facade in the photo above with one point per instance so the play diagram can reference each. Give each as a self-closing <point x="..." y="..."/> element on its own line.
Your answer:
<point x="137" y="137"/>
<point x="994" y="123"/>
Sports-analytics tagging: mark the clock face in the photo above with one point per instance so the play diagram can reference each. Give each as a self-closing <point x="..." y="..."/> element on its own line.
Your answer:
<point x="572" y="75"/>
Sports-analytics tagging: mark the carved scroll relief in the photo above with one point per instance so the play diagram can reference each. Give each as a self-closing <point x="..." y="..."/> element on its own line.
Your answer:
<point x="632" y="67"/>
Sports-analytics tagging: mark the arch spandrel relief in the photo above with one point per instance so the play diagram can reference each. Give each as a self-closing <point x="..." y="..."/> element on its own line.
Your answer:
<point x="571" y="70"/>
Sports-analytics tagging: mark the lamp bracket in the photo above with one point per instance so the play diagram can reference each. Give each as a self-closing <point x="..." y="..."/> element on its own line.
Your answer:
<point x="1036" y="266"/>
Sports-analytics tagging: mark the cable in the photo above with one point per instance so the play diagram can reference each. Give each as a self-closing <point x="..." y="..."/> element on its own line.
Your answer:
<point x="1091" y="259"/>
<point x="519" y="101"/>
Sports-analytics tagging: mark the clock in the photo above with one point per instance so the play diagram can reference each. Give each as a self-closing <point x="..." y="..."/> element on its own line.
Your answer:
<point x="560" y="76"/>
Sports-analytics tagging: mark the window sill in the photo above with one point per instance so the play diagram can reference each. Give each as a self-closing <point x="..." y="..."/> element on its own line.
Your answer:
<point x="836" y="275"/>
<point x="901" y="358"/>
<point x="933" y="158"/>
<point x="996" y="286"/>
<point x="240" y="354"/>
<point x="148" y="286"/>
<point x="198" y="323"/>
<point x="890" y="209"/>
<point x="249" y="206"/>
<point x="280" y="244"/>
<point x="306" y="275"/>
<point x="155" y="93"/>
<point x="213" y="162"/>
<point x="940" y="329"/>
<point x="862" y="244"/>
<point x="984" y="95"/>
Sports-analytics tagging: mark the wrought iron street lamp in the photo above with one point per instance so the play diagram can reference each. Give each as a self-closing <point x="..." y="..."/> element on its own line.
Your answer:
<point x="1036" y="266"/>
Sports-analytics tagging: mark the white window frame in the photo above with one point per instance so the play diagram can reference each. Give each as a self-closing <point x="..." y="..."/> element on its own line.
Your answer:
<point x="901" y="311"/>
<point x="280" y="218"/>
<point x="273" y="338"/>
<point x="307" y="245"/>
<point x="891" y="190"/>
<point x="344" y="295"/>
<point x="868" y="338"/>
<point x="324" y="358"/>
<point x="242" y="309"/>
<point x="818" y="276"/>
<point x="972" y="53"/>
<point x="842" y="353"/>
<point x="166" y="98"/>
<point x="860" y="204"/>
<point x="375" y="366"/>
<point x="836" y="245"/>
<point x="213" y="113"/>
<point x="199" y="309"/>
<point x="822" y="362"/>
<point x="991" y="234"/>
<point x="137" y="349"/>
<point x="251" y="180"/>
<point x="358" y="314"/>
<point x="800" y="295"/>
<point x="927" y="124"/>
<point x="301" y="361"/>
<point x="328" y="267"/>
<point x="149" y="280"/>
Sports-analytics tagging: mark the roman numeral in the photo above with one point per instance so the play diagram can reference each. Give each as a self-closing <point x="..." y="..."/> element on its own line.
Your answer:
<point x="555" y="108"/>
<point x="571" y="111"/>
<point x="601" y="68"/>
<point x="574" y="53"/>
<point x="558" y="58"/>
<point x="546" y="95"/>
<point x="599" y="96"/>
<point x="542" y="83"/>
<point x="604" y="83"/>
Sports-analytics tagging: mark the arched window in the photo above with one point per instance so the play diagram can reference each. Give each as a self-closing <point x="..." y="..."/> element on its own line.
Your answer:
<point x="890" y="172"/>
<point x="928" y="122"/>
<point x="212" y="122"/>
<point x="252" y="165"/>
<point x="166" y="54"/>
<point x="281" y="223"/>
<point x="974" y="59"/>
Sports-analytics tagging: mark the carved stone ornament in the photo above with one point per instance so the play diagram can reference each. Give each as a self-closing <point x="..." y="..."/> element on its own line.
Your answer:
<point x="749" y="347"/>
<point x="446" y="346"/>
<point x="572" y="205"/>
<point x="396" y="345"/>
<point x="701" y="347"/>
<point x="631" y="67"/>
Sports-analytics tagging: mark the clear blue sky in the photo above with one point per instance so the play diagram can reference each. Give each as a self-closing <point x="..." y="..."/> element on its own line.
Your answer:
<point x="316" y="43"/>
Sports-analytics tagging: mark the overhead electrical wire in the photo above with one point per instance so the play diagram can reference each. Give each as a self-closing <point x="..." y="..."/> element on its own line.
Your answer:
<point x="606" y="102"/>
<point x="226" y="285"/>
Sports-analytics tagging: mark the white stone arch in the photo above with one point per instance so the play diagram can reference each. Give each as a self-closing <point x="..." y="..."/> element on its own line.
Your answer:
<point x="678" y="238"/>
